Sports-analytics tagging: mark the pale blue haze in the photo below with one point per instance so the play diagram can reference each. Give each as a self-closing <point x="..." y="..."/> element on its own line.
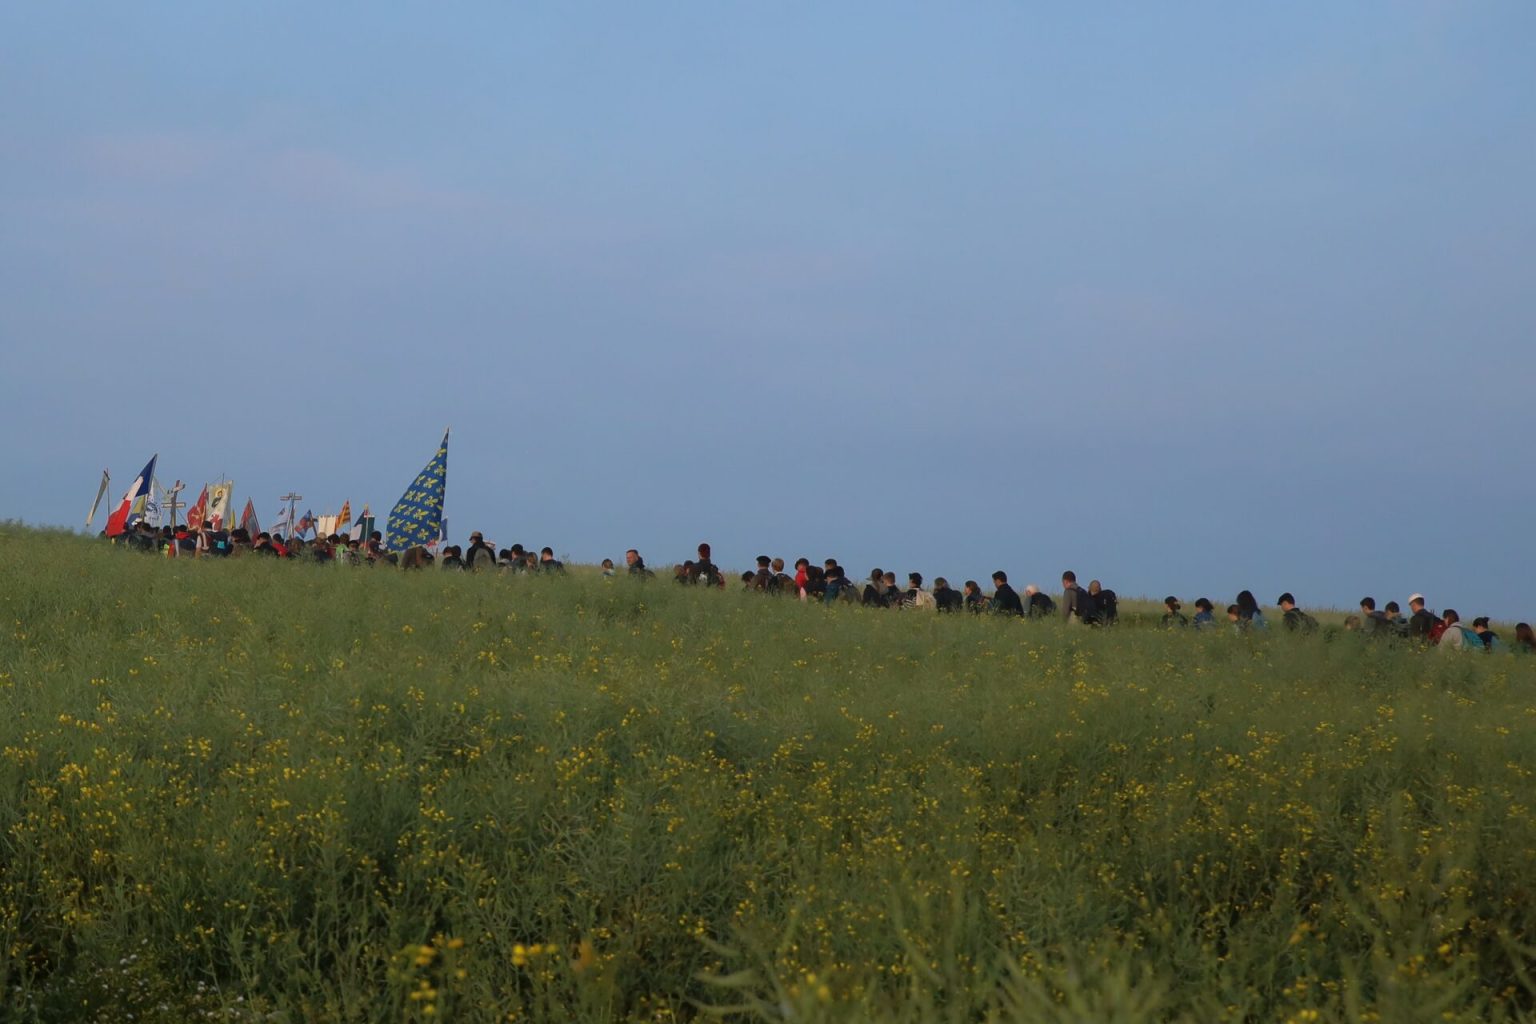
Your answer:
<point x="1189" y="297"/>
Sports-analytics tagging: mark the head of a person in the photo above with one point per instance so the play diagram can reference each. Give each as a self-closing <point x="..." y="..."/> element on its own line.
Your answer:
<point x="1449" y="617"/>
<point x="703" y="552"/>
<point x="1524" y="634"/>
<point x="1204" y="604"/>
<point x="1416" y="602"/>
<point x="1030" y="590"/>
<point x="1367" y="604"/>
<point x="876" y="575"/>
<point x="1094" y="586"/>
<point x="777" y="565"/>
<point x="940" y="583"/>
<point x="763" y="561"/>
<point x="999" y="578"/>
<point x="1069" y="578"/>
<point x="1234" y="613"/>
<point x="1171" y="603"/>
<point x="631" y="556"/>
<point x="1392" y="608"/>
<point x="546" y="553"/>
<point x="829" y="563"/>
<point x="1286" y="601"/>
<point x="914" y="579"/>
<point x="1247" y="603"/>
<point x="748" y="576"/>
<point x="890" y="579"/>
<point x="1480" y="624"/>
<point x="1351" y="622"/>
<point x="971" y="586"/>
<point x="476" y="537"/>
<point x="802" y="563"/>
<point x="607" y="563"/>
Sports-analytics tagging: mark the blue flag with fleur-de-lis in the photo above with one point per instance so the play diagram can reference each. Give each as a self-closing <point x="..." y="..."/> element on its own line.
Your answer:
<point x="416" y="517"/>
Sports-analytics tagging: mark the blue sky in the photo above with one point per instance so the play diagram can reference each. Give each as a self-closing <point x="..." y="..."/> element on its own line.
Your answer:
<point x="1187" y="297"/>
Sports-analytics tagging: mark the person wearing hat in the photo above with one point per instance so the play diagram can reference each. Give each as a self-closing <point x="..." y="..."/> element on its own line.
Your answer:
<point x="1421" y="625"/>
<point x="1171" y="615"/>
<point x="480" y="554"/>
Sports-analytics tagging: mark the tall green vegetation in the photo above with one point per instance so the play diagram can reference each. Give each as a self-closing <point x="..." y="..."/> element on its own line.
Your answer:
<point x="286" y="792"/>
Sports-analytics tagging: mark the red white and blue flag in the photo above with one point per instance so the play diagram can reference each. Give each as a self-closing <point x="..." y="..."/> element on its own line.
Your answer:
<point x="131" y="510"/>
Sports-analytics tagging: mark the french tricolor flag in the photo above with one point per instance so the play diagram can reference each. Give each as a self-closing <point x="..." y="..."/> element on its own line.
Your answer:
<point x="132" y="508"/>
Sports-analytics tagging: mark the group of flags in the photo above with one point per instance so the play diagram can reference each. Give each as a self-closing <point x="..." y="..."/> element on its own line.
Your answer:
<point x="416" y="519"/>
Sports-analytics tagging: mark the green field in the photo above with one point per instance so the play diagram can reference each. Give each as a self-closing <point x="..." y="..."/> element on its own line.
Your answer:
<point x="246" y="790"/>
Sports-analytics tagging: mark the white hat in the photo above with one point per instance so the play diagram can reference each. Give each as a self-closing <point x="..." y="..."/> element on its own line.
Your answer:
<point x="1415" y="597"/>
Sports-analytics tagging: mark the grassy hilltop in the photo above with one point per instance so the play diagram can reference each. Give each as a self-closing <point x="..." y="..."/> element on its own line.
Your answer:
<point x="286" y="792"/>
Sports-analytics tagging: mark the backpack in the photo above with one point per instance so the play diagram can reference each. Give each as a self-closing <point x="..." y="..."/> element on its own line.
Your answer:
<point x="1300" y="621"/>
<point x="1436" y="632"/>
<point x="1108" y="607"/>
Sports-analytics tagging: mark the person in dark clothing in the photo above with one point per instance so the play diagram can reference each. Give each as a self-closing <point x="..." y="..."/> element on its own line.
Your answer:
<point x="895" y="597"/>
<point x="1106" y="606"/>
<point x="763" y="577"/>
<point x="815" y="582"/>
<point x="1376" y="623"/>
<point x="946" y="597"/>
<point x="838" y="587"/>
<point x="480" y="554"/>
<point x="636" y="565"/>
<point x="1172" y="617"/>
<point x="451" y="558"/>
<point x="706" y="571"/>
<point x="874" y="591"/>
<point x="1421" y="625"/>
<point x="1037" y="603"/>
<point x="1295" y="620"/>
<point x="975" y="600"/>
<point x="549" y="563"/>
<point x="782" y="582"/>
<point x="1005" y="600"/>
<point x="1489" y="638"/>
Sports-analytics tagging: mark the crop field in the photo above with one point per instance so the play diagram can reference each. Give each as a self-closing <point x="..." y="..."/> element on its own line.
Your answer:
<point x="246" y="790"/>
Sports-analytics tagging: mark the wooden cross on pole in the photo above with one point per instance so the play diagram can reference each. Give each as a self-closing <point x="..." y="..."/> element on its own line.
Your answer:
<point x="171" y="504"/>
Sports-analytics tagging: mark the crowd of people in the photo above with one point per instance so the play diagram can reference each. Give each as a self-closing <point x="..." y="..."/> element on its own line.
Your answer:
<point x="1094" y="605"/>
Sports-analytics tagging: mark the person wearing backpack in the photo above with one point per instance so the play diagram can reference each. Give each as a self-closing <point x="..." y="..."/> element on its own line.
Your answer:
<point x="1295" y="620"/>
<point x="1490" y="639"/>
<point x="917" y="597"/>
<point x="1038" y="604"/>
<point x="1106" y="606"/>
<point x="1456" y="637"/>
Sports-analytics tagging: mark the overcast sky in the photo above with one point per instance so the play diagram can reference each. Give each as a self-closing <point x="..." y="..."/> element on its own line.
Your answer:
<point x="1187" y="297"/>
